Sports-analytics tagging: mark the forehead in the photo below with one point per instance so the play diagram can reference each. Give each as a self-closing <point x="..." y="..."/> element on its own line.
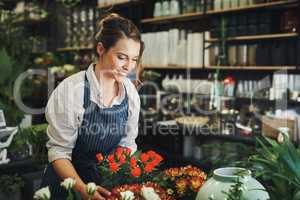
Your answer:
<point x="127" y="46"/>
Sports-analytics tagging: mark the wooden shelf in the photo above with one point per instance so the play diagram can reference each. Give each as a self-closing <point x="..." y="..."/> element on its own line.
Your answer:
<point x="65" y="49"/>
<point x="258" y="68"/>
<point x="256" y="37"/>
<point x="121" y="3"/>
<point x="166" y="19"/>
<point x="252" y="7"/>
<point x="171" y="67"/>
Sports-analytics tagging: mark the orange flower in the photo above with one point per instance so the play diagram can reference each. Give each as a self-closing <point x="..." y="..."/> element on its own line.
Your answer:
<point x="196" y="183"/>
<point x="114" y="166"/>
<point x="181" y="186"/>
<point x="133" y="162"/>
<point x="99" y="157"/>
<point x="144" y="157"/>
<point x="111" y="158"/>
<point x="149" y="168"/>
<point x="136" y="171"/>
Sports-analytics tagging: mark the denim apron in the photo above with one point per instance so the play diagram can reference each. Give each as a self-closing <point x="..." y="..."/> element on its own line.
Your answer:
<point x="101" y="131"/>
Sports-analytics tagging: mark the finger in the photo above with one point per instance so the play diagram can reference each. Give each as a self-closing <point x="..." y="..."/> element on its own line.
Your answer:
<point x="104" y="191"/>
<point x="97" y="196"/>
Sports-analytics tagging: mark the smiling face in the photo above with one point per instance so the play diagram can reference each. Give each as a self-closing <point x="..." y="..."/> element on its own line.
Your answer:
<point x="120" y="59"/>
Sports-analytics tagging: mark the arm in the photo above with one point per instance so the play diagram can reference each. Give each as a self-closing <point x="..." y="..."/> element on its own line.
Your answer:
<point x="62" y="133"/>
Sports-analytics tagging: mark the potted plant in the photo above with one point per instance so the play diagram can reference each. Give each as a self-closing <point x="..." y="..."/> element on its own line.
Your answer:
<point x="10" y="187"/>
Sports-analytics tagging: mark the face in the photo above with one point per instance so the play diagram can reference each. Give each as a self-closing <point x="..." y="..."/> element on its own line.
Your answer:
<point x="120" y="59"/>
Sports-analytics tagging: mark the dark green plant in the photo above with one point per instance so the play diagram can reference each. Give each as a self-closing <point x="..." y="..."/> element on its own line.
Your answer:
<point x="15" y="50"/>
<point x="10" y="184"/>
<point x="278" y="165"/>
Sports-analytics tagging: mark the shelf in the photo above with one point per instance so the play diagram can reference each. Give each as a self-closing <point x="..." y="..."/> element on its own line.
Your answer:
<point x="258" y="68"/>
<point x="166" y="19"/>
<point x="121" y="3"/>
<point x="257" y="37"/>
<point x="253" y="7"/>
<point x="66" y="49"/>
<point x="171" y="67"/>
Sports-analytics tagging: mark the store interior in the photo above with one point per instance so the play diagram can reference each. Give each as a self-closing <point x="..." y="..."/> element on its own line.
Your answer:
<point x="219" y="86"/>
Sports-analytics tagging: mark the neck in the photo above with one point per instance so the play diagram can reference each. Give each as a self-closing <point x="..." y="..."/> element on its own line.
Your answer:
<point x="107" y="80"/>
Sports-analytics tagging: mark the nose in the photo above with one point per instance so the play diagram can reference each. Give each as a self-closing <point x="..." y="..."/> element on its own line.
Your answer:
<point x="129" y="65"/>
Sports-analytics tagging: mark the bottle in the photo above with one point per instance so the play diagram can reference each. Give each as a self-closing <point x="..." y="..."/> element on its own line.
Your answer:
<point x="174" y="7"/>
<point x="157" y="9"/>
<point x="166" y="8"/>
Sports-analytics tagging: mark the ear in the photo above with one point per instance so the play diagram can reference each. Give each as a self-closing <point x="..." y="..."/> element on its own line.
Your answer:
<point x="100" y="49"/>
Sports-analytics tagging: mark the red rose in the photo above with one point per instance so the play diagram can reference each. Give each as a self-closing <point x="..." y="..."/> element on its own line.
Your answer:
<point x="133" y="162"/>
<point x="119" y="152"/>
<point x="149" y="168"/>
<point x="99" y="157"/>
<point x="136" y="171"/>
<point x="127" y="150"/>
<point x="144" y="157"/>
<point x="151" y="153"/>
<point x="111" y="158"/>
<point x="114" y="167"/>
<point x="122" y="160"/>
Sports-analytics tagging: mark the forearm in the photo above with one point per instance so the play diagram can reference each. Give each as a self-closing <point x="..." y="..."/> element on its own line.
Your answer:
<point x="65" y="169"/>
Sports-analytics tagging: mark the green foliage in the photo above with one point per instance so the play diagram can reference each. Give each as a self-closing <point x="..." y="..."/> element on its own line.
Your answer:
<point x="37" y="137"/>
<point x="235" y="192"/>
<point x="278" y="165"/>
<point x="10" y="184"/>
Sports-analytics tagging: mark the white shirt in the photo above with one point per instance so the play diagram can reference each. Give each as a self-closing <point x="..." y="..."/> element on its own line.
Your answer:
<point x="64" y="113"/>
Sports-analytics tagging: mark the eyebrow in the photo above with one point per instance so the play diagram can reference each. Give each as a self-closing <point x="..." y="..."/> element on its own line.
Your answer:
<point x="126" y="55"/>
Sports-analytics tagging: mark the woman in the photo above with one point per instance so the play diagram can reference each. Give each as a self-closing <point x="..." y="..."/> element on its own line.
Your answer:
<point x="95" y="110"/>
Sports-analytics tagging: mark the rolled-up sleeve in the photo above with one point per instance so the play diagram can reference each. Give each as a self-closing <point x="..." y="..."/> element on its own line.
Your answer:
<point x="62" y="130"/>
<point x="131" y="131"/>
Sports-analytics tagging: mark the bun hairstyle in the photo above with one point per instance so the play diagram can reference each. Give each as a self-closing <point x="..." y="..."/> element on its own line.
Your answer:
<point x="112" y="27"/>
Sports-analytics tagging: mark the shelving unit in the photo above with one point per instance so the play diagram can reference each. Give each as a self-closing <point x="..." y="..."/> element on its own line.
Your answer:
<point x="257" y="37"/>
<point x="121" y="3"/>
<point x="171" y="67"/>
<point x="167" y="19"/>
<point x="259" y="68"/>
<point x="255" y="6"/>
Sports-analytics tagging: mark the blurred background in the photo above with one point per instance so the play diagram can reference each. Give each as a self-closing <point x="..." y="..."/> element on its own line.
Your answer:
<point x="215" y="75"/>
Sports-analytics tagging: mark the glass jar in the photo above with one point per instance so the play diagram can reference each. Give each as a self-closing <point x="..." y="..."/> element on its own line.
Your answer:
<point x="157" y="9"/>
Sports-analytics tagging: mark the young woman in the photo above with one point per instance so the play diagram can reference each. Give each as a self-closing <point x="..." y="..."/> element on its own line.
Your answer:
<point x="94" y="110"/>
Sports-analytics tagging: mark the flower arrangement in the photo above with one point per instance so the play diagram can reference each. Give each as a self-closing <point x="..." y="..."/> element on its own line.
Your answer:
<point x="146" y="191"/>
<point x="121" y="167"/>
<point x="183" y="182"/>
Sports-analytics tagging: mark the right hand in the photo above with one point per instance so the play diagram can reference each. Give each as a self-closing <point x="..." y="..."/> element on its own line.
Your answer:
<point x="100" y="194"/>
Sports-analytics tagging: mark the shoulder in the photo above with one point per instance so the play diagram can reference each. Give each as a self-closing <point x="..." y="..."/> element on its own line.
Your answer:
<point x="71" y="85"/>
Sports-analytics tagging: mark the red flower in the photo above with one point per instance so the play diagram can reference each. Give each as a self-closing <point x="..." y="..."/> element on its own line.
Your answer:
<point x="99" y="157"/>
<point x="127" y="150"/>
<point x="133" y="162"/>
<point x="157" y="160"/>
<point x="122" y="160"/>
<point x="144" y="157"/>
<point x="111" y="158"/>
<point x="151" y="153"/>
<point x="114" y="167"/>
<point x="119" y="152"/>
<point x="149" y="168"/>
<point x="136" y="171"/>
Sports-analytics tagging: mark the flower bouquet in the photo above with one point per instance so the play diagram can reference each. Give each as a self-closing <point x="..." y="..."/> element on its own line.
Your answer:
<point x="146" y="191"/>
<point x="183" y="182"/>
<point x="121" y="167"/>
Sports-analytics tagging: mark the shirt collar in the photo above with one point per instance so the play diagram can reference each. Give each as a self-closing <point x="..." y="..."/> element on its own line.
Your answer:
<point x="95" y="86"/>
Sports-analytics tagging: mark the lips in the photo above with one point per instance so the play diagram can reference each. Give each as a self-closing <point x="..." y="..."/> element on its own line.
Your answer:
<point x="120" y="72"/>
